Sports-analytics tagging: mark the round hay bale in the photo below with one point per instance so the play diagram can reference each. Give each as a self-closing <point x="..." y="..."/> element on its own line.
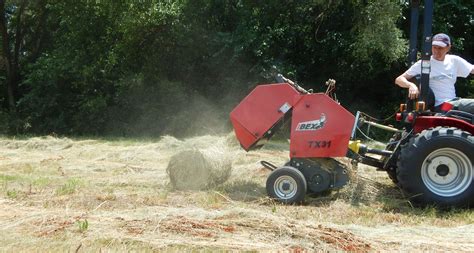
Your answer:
<point x="199" y="169"/>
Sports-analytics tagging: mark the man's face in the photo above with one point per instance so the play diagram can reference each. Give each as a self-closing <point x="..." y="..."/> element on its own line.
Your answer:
<point x="439" y="52"/>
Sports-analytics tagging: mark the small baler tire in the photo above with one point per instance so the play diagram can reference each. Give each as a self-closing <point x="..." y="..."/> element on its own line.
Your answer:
<point x="287" y="176"/>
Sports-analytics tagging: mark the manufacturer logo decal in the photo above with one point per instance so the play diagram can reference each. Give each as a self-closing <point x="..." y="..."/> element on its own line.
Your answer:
<point x="312" y="125"/>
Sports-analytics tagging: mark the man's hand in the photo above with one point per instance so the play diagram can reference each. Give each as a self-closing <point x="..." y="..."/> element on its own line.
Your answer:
<point x="403" y="82"/>
<point x="413" y="91"/>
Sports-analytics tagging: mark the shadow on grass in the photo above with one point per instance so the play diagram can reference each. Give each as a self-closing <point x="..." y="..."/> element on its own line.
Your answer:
<point x="388" y="197"/>
<point x="394" y="200"/>
<point x="243" y="190"/>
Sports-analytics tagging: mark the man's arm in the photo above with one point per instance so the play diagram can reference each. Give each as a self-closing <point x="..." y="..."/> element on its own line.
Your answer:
<point x="464" y="68"/>
<point x="403" y="82"/>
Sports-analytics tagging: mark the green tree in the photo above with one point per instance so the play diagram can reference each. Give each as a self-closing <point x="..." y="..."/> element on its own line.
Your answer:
<point x="147" y="67"/>
<point x="22" y="33"/>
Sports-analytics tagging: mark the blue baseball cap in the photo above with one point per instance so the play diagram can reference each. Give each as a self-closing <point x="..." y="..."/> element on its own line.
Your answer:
<point x="441" y="40"/>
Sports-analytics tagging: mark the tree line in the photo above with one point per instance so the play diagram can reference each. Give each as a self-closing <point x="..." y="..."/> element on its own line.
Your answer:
<point x="148" y="68"/>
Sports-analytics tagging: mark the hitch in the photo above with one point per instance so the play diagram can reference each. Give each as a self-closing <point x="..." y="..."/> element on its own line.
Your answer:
<point x="268" y="165"/>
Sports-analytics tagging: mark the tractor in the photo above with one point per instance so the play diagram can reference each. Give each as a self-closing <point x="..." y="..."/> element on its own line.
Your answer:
<point x="431" y="159"/>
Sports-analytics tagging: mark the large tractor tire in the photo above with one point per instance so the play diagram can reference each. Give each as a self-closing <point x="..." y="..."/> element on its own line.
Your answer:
<point x="287" y="185"/>
<point x="436" y="167"/>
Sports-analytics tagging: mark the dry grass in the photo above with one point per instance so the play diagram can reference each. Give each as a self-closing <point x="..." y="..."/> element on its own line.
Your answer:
<point x="59" y="194"/>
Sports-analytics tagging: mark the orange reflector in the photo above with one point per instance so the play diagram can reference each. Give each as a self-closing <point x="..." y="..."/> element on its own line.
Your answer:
<point x="403" y="107"/>
<point x="420" y="106"/>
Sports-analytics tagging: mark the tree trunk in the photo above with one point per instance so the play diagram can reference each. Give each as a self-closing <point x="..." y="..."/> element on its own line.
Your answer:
<point x="39" y="32"/>
<point x="6" y="56"/>
<point x="12" y="65"/>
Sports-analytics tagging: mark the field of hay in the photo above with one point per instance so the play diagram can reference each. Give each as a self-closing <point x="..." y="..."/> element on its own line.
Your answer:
<point x="61" y="194"/>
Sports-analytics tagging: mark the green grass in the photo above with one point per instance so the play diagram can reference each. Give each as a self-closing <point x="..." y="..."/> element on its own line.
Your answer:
<point x="82" y="225"/>
<point x="12" y="194"/>
<point x="9" y="178"/>
<point x="42" y="182"/>
<point x="6" y="182"/>
<point x="69" y="187"/>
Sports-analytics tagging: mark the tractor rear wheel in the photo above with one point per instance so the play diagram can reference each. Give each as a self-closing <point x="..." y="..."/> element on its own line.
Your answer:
<point x="287" y="185"/>
<point x="436" y="167"/>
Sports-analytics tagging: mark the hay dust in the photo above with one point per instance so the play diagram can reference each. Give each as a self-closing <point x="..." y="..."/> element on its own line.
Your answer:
<point x="202" y="193"/>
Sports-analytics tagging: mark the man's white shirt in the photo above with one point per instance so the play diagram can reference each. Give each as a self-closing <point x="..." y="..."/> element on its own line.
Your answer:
<point x="443" y="75"/>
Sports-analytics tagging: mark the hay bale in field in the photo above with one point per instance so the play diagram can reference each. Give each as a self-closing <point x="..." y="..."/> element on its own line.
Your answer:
<point x="196" y="169"/>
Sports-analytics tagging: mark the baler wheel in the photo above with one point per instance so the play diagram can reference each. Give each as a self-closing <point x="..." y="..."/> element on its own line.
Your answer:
<point x="436" y="167"/>
<point x="287" y="185"/>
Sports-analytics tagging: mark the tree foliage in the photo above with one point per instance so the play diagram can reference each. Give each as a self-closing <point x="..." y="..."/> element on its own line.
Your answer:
<point x="178" y="67"/>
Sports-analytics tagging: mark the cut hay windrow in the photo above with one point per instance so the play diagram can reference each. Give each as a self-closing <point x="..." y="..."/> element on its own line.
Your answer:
<point x="38" y="143"/>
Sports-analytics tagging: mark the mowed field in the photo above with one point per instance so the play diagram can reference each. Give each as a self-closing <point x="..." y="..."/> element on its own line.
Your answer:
<point x="61" y="194"/>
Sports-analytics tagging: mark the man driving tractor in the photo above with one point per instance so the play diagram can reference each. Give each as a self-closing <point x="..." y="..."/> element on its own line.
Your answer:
<point x="445" y="68"/>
